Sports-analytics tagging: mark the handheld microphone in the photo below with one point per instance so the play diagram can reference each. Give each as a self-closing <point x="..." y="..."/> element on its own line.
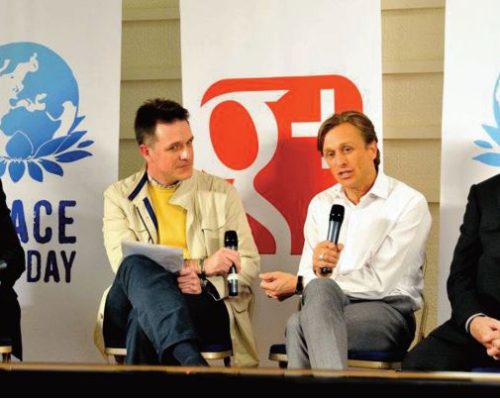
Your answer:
<point x="231" y="242"/>
<point x="334" y="224"/>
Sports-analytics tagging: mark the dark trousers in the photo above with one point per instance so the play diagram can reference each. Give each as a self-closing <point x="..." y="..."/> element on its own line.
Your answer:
<point x="10" y="323"/>
<point x="448" y="348"/>
<point x="146" y="311"/>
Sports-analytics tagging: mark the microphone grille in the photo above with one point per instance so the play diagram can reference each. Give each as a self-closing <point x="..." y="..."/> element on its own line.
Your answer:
<point x="337" y="213"/>
<point x="230" y="239"/>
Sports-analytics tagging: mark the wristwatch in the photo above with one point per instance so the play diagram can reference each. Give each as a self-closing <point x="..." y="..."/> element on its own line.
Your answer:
<point x="203" y="275"/>
<point x="300" y="285"/>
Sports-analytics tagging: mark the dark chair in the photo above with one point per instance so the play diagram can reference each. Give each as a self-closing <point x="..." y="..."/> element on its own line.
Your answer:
<point x="209" y="352"/>
<point x="277" y="352"/>
<point x="6" y="349"/>
<point x="486" y="370"/>
<point x="356" y="359"/>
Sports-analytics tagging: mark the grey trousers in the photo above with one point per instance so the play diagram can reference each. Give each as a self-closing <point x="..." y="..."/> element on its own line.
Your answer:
<point x="331" y="323"/>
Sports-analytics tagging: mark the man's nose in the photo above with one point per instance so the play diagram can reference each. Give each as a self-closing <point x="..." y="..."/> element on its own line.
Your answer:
<point x="340" y="160"/>
<point x="184" y="154"/>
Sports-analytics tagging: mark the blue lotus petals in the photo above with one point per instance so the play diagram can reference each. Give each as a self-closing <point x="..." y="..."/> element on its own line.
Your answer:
<point x="496" y="104"/>
<point x="76" y="122"/>
<point x="492" y="159"/>
<point x="3" y="166"/>
<point x="71" y="156"/>
<point x="483" y="144"/>
<point x="86" y="143"/>
<point x="16" y="170"/>
<point x="35" y="171"/>
<point x="49" y="147"/>
<point x="51" y="166"/>
<point x="493" y="132"/>
<point x="70" y="140"/>
<point x="19" y="146"/>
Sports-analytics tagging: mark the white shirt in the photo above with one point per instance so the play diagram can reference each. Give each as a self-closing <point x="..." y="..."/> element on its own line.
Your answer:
<point x="384" y="239"/>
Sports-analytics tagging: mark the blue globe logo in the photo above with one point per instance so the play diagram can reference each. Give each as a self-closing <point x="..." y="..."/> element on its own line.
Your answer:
<point x="491" y="157"/>
<point x="38" y="113"/>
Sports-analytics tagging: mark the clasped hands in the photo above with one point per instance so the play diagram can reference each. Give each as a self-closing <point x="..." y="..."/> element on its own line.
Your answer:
<point x="486" y="331"/>
<point x="217" y="264"/>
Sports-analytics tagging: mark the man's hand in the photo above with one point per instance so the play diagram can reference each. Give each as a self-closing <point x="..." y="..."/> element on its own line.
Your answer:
<point x="278" y="285"/>
<point x="220" y="262"/>
<point x="486" y="331"/>
<point x="188" y="280"/>
<point x="326" y="254"/>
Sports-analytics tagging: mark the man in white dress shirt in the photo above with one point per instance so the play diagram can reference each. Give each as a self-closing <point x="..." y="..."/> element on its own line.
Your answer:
<point x="369" y="299"/>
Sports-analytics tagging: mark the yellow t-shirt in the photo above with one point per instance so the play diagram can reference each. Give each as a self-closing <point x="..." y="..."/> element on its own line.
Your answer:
<point x="171" y="218"/>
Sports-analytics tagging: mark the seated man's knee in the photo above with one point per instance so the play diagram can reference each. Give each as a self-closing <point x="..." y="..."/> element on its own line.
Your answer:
<point x="323" y="288"/>
<point x="136" y="266"/>
<point x="133" y="260"/>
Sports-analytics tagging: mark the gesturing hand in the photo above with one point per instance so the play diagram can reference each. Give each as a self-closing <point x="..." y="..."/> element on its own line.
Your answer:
<point x="278" y="285"/>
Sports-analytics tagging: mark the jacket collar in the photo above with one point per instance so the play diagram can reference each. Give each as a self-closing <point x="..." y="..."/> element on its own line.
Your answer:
<point x="139" y="188"/>
<point x="183" y="196"/>
<point x="139" y="196"/>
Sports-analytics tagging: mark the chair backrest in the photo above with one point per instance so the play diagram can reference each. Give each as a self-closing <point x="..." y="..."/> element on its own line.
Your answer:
<point x="422" y="314"/>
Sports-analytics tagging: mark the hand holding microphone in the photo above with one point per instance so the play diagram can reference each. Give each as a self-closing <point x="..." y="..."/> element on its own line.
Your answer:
<point x="231" y="242"/>
<point x="334" y="224"/>
<point x="226" y="262"/>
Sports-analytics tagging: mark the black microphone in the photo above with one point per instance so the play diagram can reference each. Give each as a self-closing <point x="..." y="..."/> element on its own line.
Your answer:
<point x="231" y="242"/>
<point x="334" y="224"/>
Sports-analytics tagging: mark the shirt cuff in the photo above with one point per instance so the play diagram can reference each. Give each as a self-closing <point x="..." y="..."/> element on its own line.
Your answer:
<point x="469" y="320"/>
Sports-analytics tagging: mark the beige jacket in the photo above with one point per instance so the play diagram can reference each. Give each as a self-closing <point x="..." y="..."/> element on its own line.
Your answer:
<point x="213" y="206"/>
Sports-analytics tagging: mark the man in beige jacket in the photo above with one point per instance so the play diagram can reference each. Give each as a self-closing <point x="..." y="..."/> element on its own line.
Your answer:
<point x="167" y="318"/>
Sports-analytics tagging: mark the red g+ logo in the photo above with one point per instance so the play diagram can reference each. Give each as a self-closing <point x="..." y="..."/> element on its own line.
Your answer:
<point x="264" y="131"/>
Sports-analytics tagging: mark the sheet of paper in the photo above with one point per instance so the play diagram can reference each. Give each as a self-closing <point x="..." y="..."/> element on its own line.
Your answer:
<point x="170" y="258"/>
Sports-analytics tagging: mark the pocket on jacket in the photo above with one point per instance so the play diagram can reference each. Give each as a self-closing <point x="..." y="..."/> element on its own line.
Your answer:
<point x="242" y="303"/>
<point x="212" y="223"/>
<point x="212" y="226"/>
<point x="212" y="209"/>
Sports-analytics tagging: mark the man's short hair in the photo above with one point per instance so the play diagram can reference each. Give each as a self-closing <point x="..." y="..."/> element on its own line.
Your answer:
<point x="154" y="111"/>
<point x="356" y="119"/>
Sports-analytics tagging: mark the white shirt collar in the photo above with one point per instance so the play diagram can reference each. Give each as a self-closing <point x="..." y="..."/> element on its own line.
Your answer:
<point x="380" y="188"/>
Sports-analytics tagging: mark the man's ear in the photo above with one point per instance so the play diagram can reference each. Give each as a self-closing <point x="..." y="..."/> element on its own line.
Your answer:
<point x="373" y="148"/>
<point x="144" y="150"/>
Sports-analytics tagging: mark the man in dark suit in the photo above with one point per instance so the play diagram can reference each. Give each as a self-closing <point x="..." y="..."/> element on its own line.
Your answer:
<point x="471" y="338"/>
<point x="12" y="265"/>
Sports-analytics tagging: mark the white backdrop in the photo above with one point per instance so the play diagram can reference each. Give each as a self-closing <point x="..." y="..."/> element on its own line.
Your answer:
<point x="59" y="114"/>
<point x="258" y="78"/>
<point x="471" y="118"/>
